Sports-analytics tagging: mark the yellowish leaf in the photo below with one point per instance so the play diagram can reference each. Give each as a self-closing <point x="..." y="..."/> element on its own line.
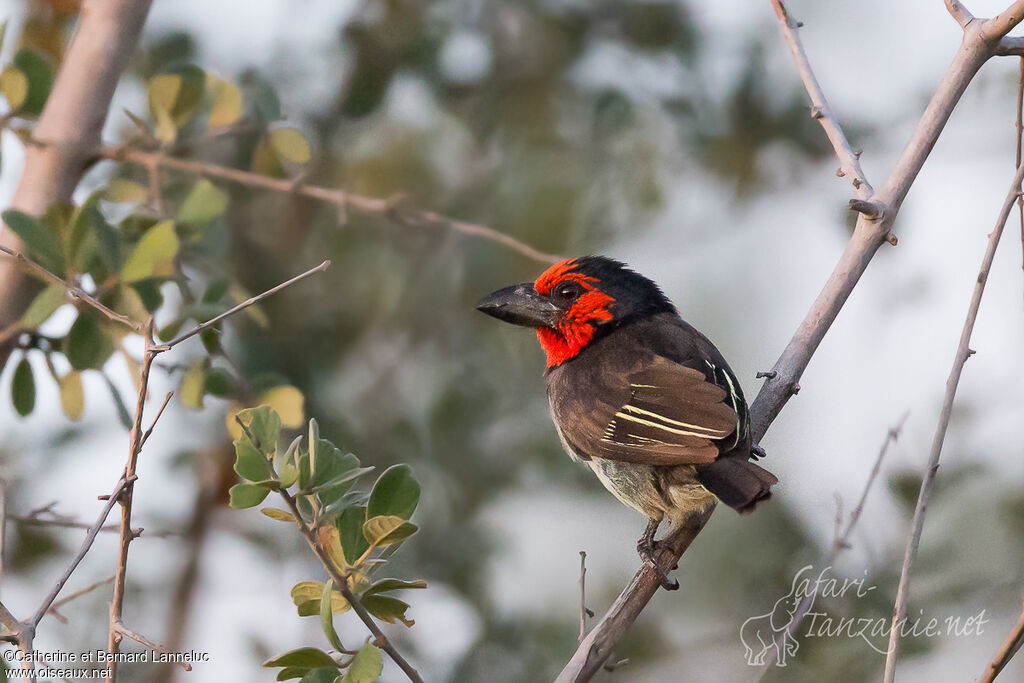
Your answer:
<point x="227" y="102"/>
<point x="121" y="191"/>
<point x="72" y="397"/>
<point x="153" y="255"/>
<point x="290" y="145"/>
<point x="13" y="86"/>
<point x="289" y="404"/>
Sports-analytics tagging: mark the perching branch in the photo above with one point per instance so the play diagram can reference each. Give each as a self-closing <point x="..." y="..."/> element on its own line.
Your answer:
<point x="73" y="116"/>
<point x="392" y="208"/>
<point x="980" y="42"/>
<point x="1013" y="643"/>
<point x="963" y="352"/>
<point x="341" y="583"/>
<point x="849" y="161"/>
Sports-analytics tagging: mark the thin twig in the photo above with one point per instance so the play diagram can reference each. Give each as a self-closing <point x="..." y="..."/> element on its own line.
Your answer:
<point x="341" y="198"/>
<point x="963" y="352"/>
<point x="583" y="596"/>
<point x="839" y="543"/>
<point x="124" y="631"/>
<point x="1013" y="643"/>
<point x="73" y="291"/>
<point x="77" y="594"/>
<point x="145" y="435"/>
<point x="1020" y="150"/>
<point x="381" y="640"/>
<point x="959" y="12"/>
<point x="849" y="162"/>
<point x="86" y="545"/>
<point x="245" y="304"/>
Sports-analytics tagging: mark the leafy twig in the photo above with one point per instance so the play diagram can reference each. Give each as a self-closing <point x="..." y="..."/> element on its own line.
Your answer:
<point x="341" y="583"/>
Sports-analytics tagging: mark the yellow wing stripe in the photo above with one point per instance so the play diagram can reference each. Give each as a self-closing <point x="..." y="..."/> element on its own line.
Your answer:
<point x="666" y="428"/>
<point x="712" y="433"/>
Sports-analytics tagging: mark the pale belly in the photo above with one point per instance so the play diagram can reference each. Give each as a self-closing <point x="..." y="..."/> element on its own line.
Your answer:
<point x="635" y="485"/>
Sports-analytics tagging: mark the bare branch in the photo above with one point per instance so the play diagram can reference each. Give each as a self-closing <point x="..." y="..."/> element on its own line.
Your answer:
<point x="73" y="291"/>
<point x="820" y="109"/>
<point x="79" y="593"/>
<point x="998" y="26"/>
<point x="120" y="628"/>
<point x="344" y="200"/>
<point x="963" y="352"/>
<point x="962" y="15"/>
<point x="86" y="545"/>
<point x="597" y="647"/>
<point x="1012" y="646"/>
<point x="341" y="583"/>
<point x="245" y="304"/>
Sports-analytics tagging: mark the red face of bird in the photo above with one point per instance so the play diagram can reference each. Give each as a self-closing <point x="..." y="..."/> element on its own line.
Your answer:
<point x="574" y="300"/>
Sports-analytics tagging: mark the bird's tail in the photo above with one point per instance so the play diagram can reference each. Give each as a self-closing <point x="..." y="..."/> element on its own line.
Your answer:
<point x="738" y="483"/>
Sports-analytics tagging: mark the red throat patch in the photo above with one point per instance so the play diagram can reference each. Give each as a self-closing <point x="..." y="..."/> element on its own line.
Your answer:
<point x="578" y="324"/>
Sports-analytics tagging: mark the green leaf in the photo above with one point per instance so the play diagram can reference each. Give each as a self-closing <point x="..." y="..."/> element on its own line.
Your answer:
<point x="227" y="102"/>
<point x="395" y="493"/>
<point x="290" y="145"/>
<point x="366" y="667"/>
<point x="250" y="463"/>
<point x="327" y="616"/>
<point x="124" y="191"/>
<point x="322" y="675"/>
<point x="204" y="202"/>
<point x="220" y="383"/>
<point x="192" y="384"/>
<point x="87" y="345"/>
<point x="149" y="294"/>
<point x="340" y="485"/>
<point x="287" y="469"/>
<point x="350" y="532"/>
<point x="72" y="396"/>
<point x="290" y="672"/>
<point x="385" y="530"/>
<point x="264" y="424"/>
<point x="153" y="255"/>
<point x="40" y="242"/>
<point x="23" y="388"/>
<point x="386" y="585"/>
<point x="279" y="515"/>
<point x="385" y="608"/>
<point x="44" y="305"/>
<point x="174" y="98"/>
<point x="13" y="86"/>
<point x="304" y="477"/>
<point x="39" y="70"/>
<point x="308" y="657"/>
<point x="329" y="463"/>
<point x="247" y="495"/>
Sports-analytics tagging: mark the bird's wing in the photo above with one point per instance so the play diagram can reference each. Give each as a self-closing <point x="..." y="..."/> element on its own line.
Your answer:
<point x="674" y="416"/>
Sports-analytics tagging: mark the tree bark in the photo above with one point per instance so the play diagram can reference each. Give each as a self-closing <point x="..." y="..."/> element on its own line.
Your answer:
<point x="70" y="124"/>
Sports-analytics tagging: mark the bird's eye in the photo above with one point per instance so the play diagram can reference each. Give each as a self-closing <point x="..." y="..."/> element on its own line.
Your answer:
<point x="568" y="291"/>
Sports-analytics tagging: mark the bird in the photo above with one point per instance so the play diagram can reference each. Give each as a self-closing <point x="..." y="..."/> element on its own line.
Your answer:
<point x="637" y="393"/>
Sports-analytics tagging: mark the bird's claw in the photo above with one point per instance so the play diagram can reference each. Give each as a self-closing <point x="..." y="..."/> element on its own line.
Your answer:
<point x="646" y="553"/>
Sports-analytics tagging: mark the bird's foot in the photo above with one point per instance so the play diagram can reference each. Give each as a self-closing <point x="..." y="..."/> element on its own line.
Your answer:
<point x="645" y="548"/>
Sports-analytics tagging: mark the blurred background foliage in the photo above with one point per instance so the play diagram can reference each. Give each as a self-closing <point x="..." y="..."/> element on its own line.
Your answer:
<point x="558" y="122"/>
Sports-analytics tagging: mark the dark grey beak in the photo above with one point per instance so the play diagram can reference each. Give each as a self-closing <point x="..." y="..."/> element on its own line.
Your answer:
<point x="520" y="305"/>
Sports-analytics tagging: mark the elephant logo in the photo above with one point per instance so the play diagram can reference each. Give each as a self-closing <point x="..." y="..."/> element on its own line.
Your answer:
<point x="771" y="631"/>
